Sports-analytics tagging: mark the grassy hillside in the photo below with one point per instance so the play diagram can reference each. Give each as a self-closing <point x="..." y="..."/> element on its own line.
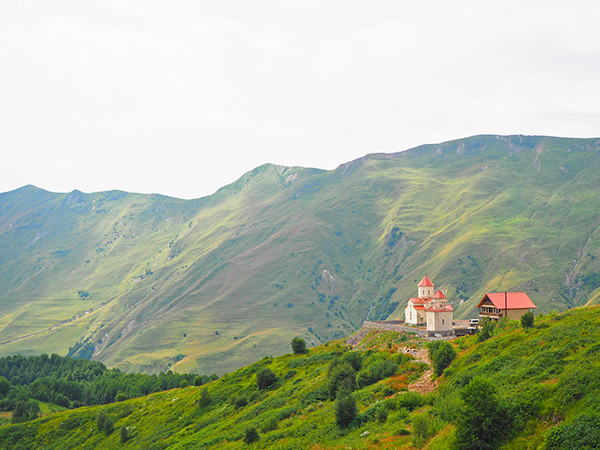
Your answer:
<point x="145" y="282"/>
<point x="543" y="383"/>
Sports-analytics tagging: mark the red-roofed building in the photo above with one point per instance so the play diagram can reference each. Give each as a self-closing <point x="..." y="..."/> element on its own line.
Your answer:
<point x="431" y="309"/>
<point x="502" y="304"/>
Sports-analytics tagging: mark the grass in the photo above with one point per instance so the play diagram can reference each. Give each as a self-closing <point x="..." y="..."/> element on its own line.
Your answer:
<point x="475" y="215"/>
<point x="548" y="377"/>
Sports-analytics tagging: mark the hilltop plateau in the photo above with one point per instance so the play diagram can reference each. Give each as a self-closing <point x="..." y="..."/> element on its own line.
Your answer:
<point x="148" y="283"/>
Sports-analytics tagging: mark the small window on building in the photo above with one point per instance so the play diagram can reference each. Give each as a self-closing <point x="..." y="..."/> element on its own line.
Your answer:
<point x="442" y="321"/>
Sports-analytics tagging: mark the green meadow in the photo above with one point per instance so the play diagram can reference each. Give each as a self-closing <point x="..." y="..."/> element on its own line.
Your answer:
<point x="535" y="388"/>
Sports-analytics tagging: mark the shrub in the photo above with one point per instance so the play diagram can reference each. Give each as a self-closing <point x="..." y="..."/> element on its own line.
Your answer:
<point x="345" y="408"/>
<point x="290" y="374"/>
<point x="487" y="329"/>
<point x="265" y="378"/>
<point x="581" y="434"/>
<point x="239" y="401"/>
<point x="474" y="426"/>
<point x="354" y="359"/>
<point x="269" y="425"/>
<point x="527" y="320"/>
<point x="124" y="434"/>
<point x="105" y="423"/>
<point x="251" y="435"/>
<point x="410" y="401"/>
<point x="184" y="384"/>
<point x="299" y="346"/>
<point x="120" y="397"/>
<point x="442" y="356"/>
<point x="198" y="381"/>
<point x="420" y="433"/>
<point x="204" y="399"/>
<point x="341" y="375"/>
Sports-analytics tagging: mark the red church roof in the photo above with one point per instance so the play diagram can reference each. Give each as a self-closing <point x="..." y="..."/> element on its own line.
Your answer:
<point x="439" y="294"/>
<point x="448" y="307"/>
<point x="512" y="300"/>
<point x="425" y="282"/>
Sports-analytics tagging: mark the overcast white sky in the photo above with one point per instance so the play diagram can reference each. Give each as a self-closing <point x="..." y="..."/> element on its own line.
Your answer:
<point x="183" y="97"/>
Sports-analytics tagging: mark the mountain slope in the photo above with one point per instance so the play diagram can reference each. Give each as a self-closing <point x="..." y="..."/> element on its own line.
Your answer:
<point x="146" y="282"/>
<point x="545" y="377"/>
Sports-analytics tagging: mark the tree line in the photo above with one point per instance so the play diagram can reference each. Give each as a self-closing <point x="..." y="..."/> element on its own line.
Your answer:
<point x="72" y="383"/>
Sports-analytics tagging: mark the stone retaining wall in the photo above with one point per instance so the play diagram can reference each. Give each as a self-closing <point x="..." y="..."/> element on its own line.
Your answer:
<point x="393" y="326"/>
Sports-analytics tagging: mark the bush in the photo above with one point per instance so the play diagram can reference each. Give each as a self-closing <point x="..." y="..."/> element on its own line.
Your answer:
<point x="269" y="425"/>
<point x="442" y="354"/>
<point x="299" y="346"/>
<point x="341" y="375"/>
<point x="581" y="434"/>
<point x="354" y="359"/>
<point x="204" y="399"/>
<point x="485" y="421"/>
<point x="120" y="397"/>
<point x="410" y="401"/>
<point x="198" y="381"/>
<point x="345" y="408"/>
<point x="265" y="378"/>
<point x="124" y="434"/>
<point x="251" y="435"/>
<point x="527" y="320"/>
<point x="184" y="384"/>
<point x="105" y="423"/>
<point x="487" y="327"/>
<point x="239" y="401"/>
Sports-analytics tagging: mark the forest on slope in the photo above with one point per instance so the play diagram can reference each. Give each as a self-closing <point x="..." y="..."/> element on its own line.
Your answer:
<point x="511" y="386"/>
<point x="151" y="283"/>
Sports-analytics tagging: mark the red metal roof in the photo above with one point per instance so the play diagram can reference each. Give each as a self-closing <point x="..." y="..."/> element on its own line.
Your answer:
<point x="439" y="294"/>
<point x="512" y="300"/>
<point x="416" y="301"/>
<point x="419" y="307"/>
<point x="425" y="282"/>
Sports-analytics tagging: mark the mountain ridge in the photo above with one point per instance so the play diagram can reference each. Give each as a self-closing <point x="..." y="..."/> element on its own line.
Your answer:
<point x="287" y="251"/>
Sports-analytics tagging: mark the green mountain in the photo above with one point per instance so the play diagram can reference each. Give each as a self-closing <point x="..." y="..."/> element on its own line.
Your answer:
<point x="536" y="388"/>
<point x="147" y="282"/>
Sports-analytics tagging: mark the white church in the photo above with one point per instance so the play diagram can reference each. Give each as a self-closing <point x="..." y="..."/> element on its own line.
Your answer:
<point x="431" y="309"/>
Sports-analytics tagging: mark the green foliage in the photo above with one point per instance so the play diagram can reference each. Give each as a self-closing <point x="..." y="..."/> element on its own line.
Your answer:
<point x="198" y="381"/>
<point x="251" y="435"/>
<point x="118" y="246"/>
<point x="25" y="411"/>
<point x="184" y="384"/>
<point x="105" y="423"/>
<point x="583" y="433"/>
<point x="120" y="397"/>
<point x="345" y="407"/>
<point x="410" y="401"/>
<point x="442" y="354"/>
<point x="340" y="376"/>
<point x="485" y="421"/>
<point x="5" y="387"/>
<point x="527" y="320"/>
<point x="239" y="401"/>
<point x="204" y="399"/>
<point x="299" y="346"/>
<point x="354" y="359"/>
<point x="124" y="434"/>
<point x="265" y="378"/>
<point x="486" y="330"/>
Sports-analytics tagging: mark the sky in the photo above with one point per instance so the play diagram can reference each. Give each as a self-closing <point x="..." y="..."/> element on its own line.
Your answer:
<point x="182" y="97"/>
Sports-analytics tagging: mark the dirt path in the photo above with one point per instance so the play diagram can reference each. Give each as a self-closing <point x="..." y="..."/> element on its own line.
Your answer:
<point x="424" y="385"/>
